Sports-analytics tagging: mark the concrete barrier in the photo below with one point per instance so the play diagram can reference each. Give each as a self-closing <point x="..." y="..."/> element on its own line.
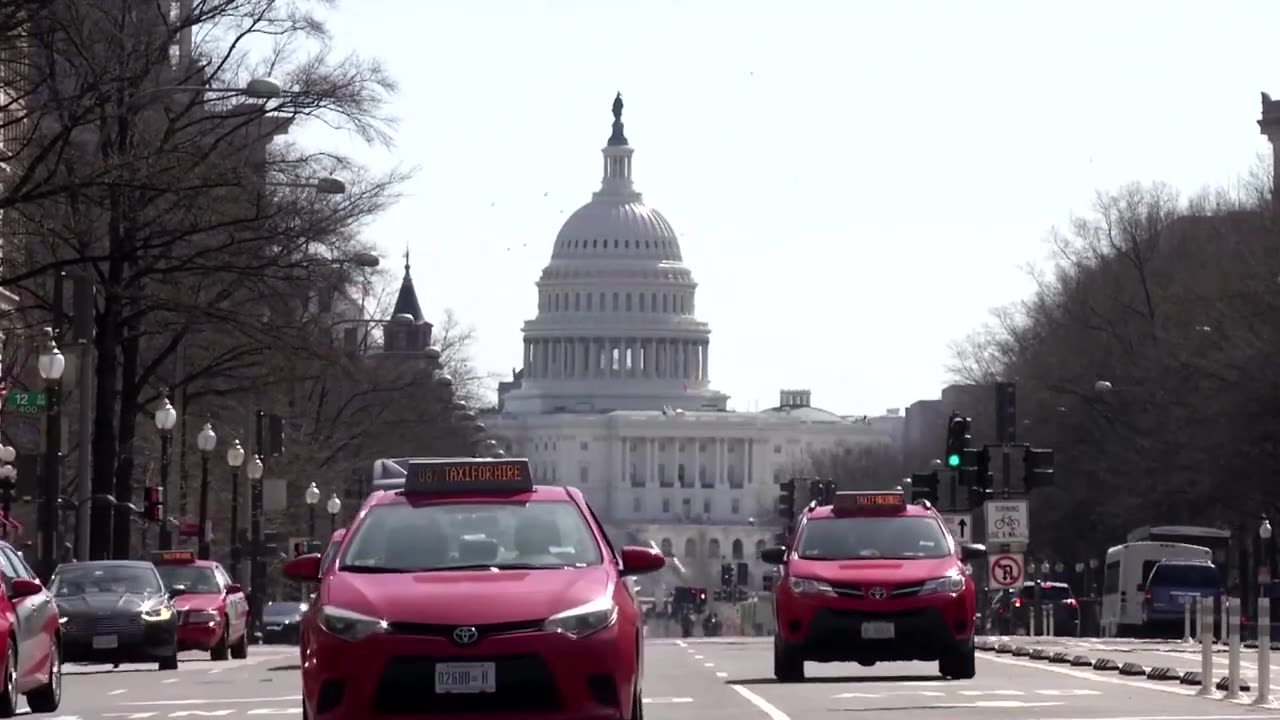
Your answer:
<point x="1224" y="684"/>
<point x="1132" y="669"/>
<point x="1106" y="664"/>
<point x="1163" y="673"/>
<point x="1021" y="651"/>
<point x="1081" y="661"/>
<point x="1191" y="677"/>
<point x="1040" y="654"/>
<point x="1004" y="648"/>
<point x="1060" y="658"/>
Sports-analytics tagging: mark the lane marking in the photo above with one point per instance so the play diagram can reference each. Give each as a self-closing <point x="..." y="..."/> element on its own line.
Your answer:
<point x="708" y="664"/>
<point x="697" y="657"/>
<point x="170" y="680"/>
<point x="218" y="701"/>
<point x="722" y="674"/>
<point x="1174" y="717"/>
<point x="1092" y="677"/>
<point x="972" y="693"/>
<point x="662" y="700"/>
<point x="117" y="692"/>
<point x="763" y="705"/>
<point x="996" y="704"/>
<point x="682" y="643"/>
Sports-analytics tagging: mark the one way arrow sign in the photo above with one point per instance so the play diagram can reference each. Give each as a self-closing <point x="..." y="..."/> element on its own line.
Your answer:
<point x="959" y="525"/>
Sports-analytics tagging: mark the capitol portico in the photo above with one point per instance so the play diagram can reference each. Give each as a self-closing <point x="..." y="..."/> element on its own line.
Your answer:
<point x="615" y="397"/>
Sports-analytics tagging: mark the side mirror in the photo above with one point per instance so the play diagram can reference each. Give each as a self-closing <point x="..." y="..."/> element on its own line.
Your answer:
<point x="776" y="555"/>
<point x="176" y="591"/>
<point x="304" y="568"/>
<point x="641" y="561"/>
<point x="972" y="552"/>
<point x="24" y="588"/>
<point x="234" y="588"/>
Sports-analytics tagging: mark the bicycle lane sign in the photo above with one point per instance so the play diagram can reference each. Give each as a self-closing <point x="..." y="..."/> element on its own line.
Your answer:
<point x="1008" y="521"/>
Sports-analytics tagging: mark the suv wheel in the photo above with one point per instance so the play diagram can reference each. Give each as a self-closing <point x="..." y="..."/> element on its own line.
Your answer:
<point x="788" y="665"/>
<point x="957" y="663"/>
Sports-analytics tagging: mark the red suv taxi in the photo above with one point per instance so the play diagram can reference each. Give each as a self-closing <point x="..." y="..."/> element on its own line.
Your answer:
<point x="873" y="578"/>
<point x="470" y="590"/>
<point x="213" y="612"/>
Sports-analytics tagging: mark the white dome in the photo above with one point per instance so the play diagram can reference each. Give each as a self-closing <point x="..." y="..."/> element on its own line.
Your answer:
<point x="617" y="227"/>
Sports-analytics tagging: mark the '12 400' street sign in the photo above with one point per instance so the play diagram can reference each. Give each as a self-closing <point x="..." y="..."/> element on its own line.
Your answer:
<point x="25" y="402"/>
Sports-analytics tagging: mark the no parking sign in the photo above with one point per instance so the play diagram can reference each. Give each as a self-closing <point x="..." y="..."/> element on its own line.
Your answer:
<point x="1005" y="571"/>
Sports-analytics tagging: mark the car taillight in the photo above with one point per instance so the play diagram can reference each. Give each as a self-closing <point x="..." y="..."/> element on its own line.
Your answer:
<point x="1069" y="602"/>
<point x="1017" y="602"/>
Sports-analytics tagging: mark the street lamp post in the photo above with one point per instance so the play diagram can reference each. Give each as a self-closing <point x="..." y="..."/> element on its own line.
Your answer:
<point x="254" y="471"/>
<point x="51" y="366"/>
<point x="235" y="458"/>
<point x="166" y="418"/>
<point x="334" y="506"/>
<point x="8" y="477"/>
<point x="1264" y="613"/>
<point x="206" y="441"/>
<point x="312" y="496"/>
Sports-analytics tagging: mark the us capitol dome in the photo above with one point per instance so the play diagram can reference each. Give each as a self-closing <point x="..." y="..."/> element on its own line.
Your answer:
<point x="615" y="328"/>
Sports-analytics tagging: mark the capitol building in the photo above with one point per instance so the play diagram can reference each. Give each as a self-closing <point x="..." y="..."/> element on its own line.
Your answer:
<point x="615" y="394"/>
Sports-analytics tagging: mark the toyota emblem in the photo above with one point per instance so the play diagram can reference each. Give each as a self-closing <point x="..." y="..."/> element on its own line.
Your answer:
<point x="465" y="635"/>
<point x="877" y="593"/>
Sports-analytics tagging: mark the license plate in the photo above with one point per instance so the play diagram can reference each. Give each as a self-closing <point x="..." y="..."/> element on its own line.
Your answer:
<point x="877" y="631"/>
<point x="465" y="678"/>
<point x="105" y="642"/>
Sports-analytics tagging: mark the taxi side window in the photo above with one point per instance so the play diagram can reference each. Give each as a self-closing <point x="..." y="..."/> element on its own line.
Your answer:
<point x="8" y="570"/>
<point x="20" y="568"/>
<point x="608" y="542"/>
<point x="223" y="579"/>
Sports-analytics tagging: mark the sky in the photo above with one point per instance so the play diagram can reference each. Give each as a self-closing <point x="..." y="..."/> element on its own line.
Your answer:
<point x="856" y="184"/>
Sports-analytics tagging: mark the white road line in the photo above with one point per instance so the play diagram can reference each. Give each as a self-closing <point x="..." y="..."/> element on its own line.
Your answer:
<point x="682" y="643"/>
<point x="1091" y="676"/>
<point x="668" y="700"/>
<point x="1176" y="717"/>
<point x="170" y="680"/>
<point x="708" y="664"/>
<point x="996" y="704"/>
<point x="722" y="674"/>
<point x="764" y="705"/>
<point x="697" y="657"/>
<point x="219" y="701"/>
<point x="117" y="692"/>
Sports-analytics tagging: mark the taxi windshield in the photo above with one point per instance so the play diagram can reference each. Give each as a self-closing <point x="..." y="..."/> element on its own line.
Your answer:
<point x="870" y="538"/>
<point x="85" y="579"/>
<point x="194" y="579"/>
<point x="534" y="535"/>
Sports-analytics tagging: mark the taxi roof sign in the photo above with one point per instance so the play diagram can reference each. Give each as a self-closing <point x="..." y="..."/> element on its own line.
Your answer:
<point x="863" y="499"/>
<point x="173" y="557"/>
<point x="511" y="475"/>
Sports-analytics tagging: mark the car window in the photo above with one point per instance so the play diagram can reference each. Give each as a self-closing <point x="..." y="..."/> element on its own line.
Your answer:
<point x="1184" y="575"/>
<point x="85" y="578"/>
<point x="222" y="575"/>
<point x="868" y="538"/>
<point x="613" y="549"/>
<point x="283" y="609"/>
<point x="14" y="563"/>
<point x="439" y="536"/>
<point x="195" y="579"/>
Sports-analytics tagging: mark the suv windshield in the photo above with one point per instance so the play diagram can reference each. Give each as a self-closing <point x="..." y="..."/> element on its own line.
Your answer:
<point x="404" y="538"/>
<point x="86" y="578"/>
<point x="1193" y="575"/>
<point x="283" y="609"/>
<point x="867" y="538"/>
<point x="194" y="579"/>
<point x="1048" y="593"/>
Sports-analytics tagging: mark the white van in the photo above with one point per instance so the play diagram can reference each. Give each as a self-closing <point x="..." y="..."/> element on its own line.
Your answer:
<point x="1127" y="569"/>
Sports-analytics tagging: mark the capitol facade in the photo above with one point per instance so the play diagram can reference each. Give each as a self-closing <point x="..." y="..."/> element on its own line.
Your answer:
<point x="615" y="395"/>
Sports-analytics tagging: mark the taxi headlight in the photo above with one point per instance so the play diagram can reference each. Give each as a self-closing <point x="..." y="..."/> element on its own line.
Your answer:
<point x="348" y="625"/>
<point x="201" y="616"/>
<point x="159" y="613"/>
<point x="805" y="586"/>
<point x="948" y="584"/>
<point x="584" y="620"/>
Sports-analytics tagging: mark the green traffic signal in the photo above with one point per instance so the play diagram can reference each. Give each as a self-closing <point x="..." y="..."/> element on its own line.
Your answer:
<point x="953" y="461"/>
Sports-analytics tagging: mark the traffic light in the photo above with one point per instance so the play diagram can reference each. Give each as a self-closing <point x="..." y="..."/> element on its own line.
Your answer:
<point x="975" y="469"/>
<point x="1006" y="413"/>
<point x="744" y="574"/>
<point x="957" y="439"/>
<point x="701" y="600"/>
<point x="153" y="506"/>
<point x="787" y="499"/>
<point x="1038" y="466"/>
<point x="767" y="581"/>
<point x="726" y="575"/>
<point x="924" y="486"/>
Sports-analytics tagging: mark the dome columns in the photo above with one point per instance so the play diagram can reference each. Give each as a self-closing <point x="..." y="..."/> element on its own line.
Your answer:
<point x="617" y="358"/>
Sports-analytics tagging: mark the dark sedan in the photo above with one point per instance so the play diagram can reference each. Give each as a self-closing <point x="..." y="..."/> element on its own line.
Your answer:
<point x="116" y="611"/>
<point x="280" y="622"/>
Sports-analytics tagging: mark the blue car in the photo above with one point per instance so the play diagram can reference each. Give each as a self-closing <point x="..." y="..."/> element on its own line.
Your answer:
<point x="1173" y="584"/>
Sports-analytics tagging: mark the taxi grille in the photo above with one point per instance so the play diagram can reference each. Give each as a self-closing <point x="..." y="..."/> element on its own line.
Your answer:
<point x="483" y="631"/>
<point x="524" y="684"/>
<point x="861" y="591"/>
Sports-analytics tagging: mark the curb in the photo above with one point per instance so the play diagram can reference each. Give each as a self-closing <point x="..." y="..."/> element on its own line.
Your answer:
<point x="1081" y="661"/>
<point x="1060" y="658"/>
<point x="1163" y="673"/>
<point x="1106" y="664"/>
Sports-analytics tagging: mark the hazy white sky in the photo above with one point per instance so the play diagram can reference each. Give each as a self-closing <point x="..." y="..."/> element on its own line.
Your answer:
<point x="855" y="183"/>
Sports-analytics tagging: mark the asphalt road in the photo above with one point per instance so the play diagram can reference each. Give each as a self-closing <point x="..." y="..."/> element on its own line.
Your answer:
<point x="694" y="679"/>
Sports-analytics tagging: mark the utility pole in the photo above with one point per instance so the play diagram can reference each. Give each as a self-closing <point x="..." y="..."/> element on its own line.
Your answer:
<point x="82" y="303"/>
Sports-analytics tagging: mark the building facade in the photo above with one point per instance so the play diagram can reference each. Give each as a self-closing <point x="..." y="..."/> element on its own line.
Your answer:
<point x="615" y="395"/>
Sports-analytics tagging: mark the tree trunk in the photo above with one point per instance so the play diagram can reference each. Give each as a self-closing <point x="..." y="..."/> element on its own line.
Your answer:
<point x="129" y="391"/>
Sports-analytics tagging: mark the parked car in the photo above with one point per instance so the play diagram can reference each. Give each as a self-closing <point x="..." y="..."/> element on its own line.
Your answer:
<point x="1010" y="612"/>
<point x="33" y="664"/>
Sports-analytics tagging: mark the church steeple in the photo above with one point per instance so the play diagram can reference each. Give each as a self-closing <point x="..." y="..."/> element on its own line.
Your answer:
<point x="406" y="337"/>
<point x="407" y="300"/>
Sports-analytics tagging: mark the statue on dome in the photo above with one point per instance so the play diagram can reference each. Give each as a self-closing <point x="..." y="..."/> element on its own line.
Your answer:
<point x="617" y="108"/>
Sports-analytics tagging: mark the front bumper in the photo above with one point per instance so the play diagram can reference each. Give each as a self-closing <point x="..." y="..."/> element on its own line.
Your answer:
<point x="831" y="629"/>
<point x="90" y="639"/>
<point x="199" y="636"/>
<point x="286" y="633"/>
<point x="548" y="674"/>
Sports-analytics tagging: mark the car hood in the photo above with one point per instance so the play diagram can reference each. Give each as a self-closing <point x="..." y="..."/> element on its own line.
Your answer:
<point x="874" y="572"/>
<point x="470" y="597"/>
<point x="104" y="602"/>
<point x="198" y="601"/>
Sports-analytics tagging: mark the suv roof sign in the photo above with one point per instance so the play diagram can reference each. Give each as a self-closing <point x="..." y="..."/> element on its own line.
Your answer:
<point x="468" y="475"/>
<point x="862" y="500"/>
<point x="173" y="557"/>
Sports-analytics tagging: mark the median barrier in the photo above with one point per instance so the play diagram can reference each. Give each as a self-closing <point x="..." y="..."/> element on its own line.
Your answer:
<point x="1060" y="658"/>
<point x="1004" y="648"/>
<point x="1106" y="664"/>
<point x="1132" y="669"/>
<point x="1163" y="673"/>
<point x="1191" y="677"/>
<point x="1040" y="654"/>
<point x="1021" y="651"/>
<point x="1081" y="661"/>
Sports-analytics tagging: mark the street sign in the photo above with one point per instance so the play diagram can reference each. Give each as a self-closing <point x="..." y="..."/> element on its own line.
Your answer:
<point x="25" y="402"/>
<point x="1008" y="521"/>
<point x="960" y="525"/>
<point x="1005" y="571"/>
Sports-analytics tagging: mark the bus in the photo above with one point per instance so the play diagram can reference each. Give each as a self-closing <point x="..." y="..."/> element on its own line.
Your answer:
<point x="1127" y="569"/>
<point x="1218" y="541"/>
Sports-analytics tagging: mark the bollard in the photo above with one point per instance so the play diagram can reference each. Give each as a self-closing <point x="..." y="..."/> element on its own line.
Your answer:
<point x="1222" y="633"/>
<point x="1233" y="656"/>
<point x="1186" y="619"/>
<point x="1206" y="646"/>
<point x="1264" y="649"/>
<point x="1048" y="618"/>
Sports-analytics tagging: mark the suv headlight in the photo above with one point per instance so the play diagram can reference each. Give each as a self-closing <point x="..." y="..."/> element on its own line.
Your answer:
<point x="196" y="617"/>
<point x="584" y="619"/>
<point x="948" y="584"/>
<point x="159" y="613"/>
<point x="348" y="625"/>
<point x="805" y="586"/>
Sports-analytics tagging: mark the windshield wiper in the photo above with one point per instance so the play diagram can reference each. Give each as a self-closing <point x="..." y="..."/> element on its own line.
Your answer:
<point x="495" y="566"/>
<point x="372" y="569"/>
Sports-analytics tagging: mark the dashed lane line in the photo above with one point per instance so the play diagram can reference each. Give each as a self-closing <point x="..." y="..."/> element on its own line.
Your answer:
<point x="118" y="692"/>
<point x="722" y="674"/>
<point x="761" y="704"/>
